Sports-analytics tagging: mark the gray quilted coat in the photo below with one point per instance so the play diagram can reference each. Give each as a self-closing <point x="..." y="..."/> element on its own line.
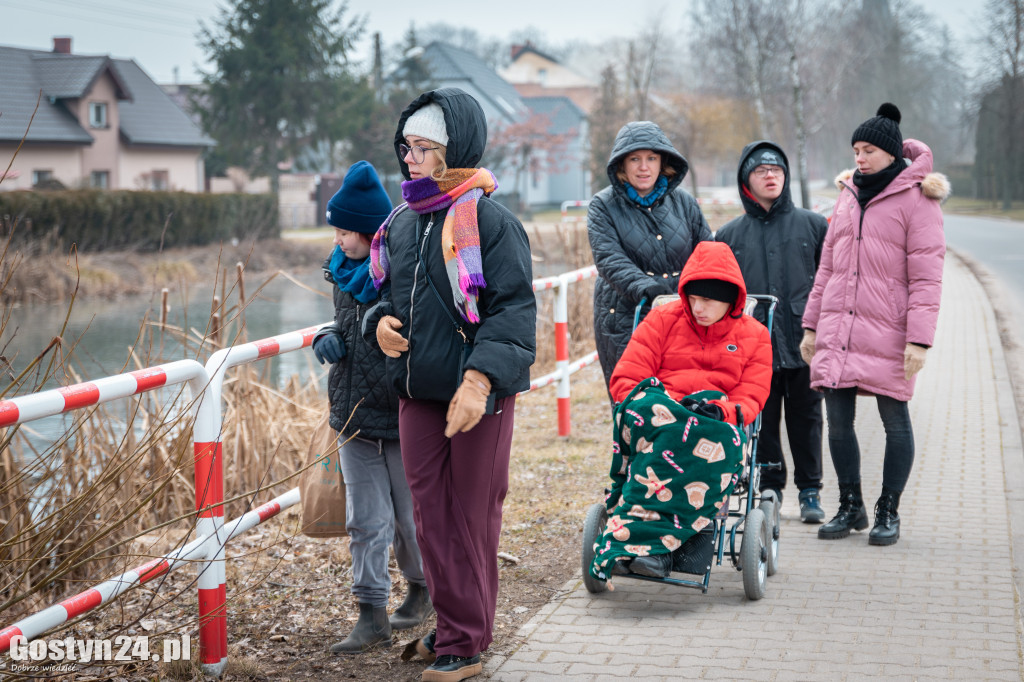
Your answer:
<point x="635" y="248"/>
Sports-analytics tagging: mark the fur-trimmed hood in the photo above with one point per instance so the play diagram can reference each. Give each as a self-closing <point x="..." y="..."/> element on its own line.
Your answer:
<point x="933" y="185"/>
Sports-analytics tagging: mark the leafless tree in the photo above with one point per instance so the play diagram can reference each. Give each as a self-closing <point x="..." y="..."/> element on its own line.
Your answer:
<point x="774" y="46"/>
<point x="645" y="65"/>
<point x="1004" y="28"/>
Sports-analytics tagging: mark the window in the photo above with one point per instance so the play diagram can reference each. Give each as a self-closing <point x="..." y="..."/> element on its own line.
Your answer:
<point x="41" y="176"/>
<point x="159" y="180"/>
<point x="99" y="179"/>
<point x="98" y="114"/>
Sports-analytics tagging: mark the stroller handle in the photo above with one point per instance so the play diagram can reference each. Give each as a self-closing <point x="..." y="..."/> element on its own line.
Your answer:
<point x="748" y="308"/>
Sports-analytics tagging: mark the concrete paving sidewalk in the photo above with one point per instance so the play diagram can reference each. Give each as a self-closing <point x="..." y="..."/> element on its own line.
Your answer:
<point x="941" y="604"/>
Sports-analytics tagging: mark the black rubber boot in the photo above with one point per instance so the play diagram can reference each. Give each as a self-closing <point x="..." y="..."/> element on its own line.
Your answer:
<point x="371" y="630"/>
<point x="414" y="610"/>
<point x="851" y="516"/>
<point x="886" y="530"/>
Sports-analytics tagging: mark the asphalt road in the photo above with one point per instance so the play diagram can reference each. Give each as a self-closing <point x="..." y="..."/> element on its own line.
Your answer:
<point x="997" y="245"/>
<point x="994" y="249"/>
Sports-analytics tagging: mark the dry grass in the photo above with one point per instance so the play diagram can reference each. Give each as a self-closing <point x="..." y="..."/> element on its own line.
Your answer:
<point x="104" y="489"/>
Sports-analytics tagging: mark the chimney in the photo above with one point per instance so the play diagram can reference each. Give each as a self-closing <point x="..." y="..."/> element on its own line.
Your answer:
<point x="516" y="49"/>
<point x="62" y="45"/>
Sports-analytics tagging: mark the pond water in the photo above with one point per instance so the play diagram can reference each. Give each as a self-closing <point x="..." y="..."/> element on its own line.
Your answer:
<point x="104" y="333"/>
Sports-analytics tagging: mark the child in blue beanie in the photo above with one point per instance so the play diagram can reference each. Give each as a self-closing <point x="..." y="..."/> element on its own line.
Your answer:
<point x="379" y="509"/>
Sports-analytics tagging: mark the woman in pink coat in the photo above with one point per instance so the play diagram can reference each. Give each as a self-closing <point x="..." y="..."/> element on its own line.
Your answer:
<point x="871" y="315"/>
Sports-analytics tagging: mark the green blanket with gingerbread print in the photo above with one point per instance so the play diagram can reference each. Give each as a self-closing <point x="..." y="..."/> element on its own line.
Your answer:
<point x="672" y="470"/>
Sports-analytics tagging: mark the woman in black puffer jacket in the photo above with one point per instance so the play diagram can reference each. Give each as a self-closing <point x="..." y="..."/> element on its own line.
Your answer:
<point x="458" y="324"/>
<point x="642" y="230"/>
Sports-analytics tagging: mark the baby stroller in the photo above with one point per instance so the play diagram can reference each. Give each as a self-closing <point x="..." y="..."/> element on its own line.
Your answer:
<point x="751" y="516"/>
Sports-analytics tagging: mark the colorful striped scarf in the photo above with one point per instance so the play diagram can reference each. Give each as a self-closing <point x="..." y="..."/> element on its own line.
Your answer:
<point x="458" y="191"/>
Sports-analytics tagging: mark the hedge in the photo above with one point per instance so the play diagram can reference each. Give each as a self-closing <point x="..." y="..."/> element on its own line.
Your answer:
<point x="98" y="220"/>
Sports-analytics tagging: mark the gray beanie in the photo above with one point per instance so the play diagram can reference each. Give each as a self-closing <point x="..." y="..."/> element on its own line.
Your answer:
<point x="763" y="156"/>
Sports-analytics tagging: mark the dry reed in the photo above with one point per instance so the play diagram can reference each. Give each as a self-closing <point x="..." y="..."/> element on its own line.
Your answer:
<point x="117" y="488"/>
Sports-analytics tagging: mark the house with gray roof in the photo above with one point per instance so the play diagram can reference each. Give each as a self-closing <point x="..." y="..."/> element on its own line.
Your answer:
<point x="92" y="121"/>
<point x="561" y="171"/>
<point x="545" y="181"/>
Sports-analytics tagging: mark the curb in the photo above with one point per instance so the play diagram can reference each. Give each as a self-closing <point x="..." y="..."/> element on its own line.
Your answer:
<point x="1007" y="386"/>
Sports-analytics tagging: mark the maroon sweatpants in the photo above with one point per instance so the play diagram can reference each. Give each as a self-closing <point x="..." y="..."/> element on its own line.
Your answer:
<point x="458" y="487"/>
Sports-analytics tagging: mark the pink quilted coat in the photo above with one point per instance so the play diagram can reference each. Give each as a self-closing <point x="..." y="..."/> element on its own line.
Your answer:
<point x="880" y="280"/>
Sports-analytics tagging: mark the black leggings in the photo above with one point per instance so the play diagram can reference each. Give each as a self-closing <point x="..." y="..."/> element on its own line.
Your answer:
<point x="841" y="408"/>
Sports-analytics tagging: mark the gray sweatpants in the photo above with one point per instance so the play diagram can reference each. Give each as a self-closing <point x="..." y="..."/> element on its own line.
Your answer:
<point x="378" y="509"/>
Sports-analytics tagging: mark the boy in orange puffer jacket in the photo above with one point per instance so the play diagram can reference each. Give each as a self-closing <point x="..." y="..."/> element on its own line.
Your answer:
<point x="702" y="342"/>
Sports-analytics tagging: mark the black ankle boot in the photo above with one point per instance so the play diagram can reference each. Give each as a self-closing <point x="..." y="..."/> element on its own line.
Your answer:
<point x="851" y="515"/>
<point x="886" y="530"/>
<point x="371" y="630"/>
<point x="414" y="610"/>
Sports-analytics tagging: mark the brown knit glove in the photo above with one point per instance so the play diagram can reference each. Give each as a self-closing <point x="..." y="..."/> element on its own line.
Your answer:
<point x="390" y="341"/>
<point x="469" y="403"/>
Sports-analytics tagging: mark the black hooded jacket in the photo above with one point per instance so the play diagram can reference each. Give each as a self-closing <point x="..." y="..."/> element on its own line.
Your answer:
<point x="504" y="342"/>
<point x="778" y="251"/>
<point x="358" y="382"/>
<point x="636" y="247"/>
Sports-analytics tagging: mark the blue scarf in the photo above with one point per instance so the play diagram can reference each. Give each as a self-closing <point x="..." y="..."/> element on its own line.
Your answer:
<point x="659" y="189"/>
<point x="352" y="276"/>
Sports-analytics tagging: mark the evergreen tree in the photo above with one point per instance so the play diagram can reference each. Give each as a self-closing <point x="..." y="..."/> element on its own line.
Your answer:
<point x="280" y="81"/>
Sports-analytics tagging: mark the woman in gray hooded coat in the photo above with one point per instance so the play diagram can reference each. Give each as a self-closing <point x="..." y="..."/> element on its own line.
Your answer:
<point x="642" y="230"/>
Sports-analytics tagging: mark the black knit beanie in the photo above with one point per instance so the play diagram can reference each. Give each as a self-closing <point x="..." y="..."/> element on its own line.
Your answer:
<point x="715" y="289"/>
<point x="883" y="131"/>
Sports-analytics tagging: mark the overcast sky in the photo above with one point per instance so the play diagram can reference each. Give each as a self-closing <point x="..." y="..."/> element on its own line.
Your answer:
<point x="160" y="36"/>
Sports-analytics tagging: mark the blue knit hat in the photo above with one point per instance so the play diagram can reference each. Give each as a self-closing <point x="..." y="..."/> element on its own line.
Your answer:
<point x="360" y="204"/>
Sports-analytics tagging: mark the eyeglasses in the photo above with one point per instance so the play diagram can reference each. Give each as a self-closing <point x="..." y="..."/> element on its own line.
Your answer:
<point x="418" y="153"/>
<point x="763" y="171"/>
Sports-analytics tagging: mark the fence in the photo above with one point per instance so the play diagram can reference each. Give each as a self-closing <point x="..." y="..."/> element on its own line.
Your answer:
<point x="205" y="383"/>
<point x="563" y="368"/>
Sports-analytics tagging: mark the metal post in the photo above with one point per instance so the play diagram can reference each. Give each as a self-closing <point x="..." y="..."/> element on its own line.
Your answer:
<point x="562" y="356"/>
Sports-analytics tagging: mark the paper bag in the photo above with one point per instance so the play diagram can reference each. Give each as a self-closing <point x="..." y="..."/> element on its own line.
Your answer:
<point x="322" y="485"/>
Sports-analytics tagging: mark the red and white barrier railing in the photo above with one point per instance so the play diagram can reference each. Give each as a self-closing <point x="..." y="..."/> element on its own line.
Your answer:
<point x="56" y="401"/>
<point x="566" y="205"/>
<point x="563" y="368"/>
<point x="206" y="385"/>
<point x="212" y="583"/>
<point x="57" y="615"/>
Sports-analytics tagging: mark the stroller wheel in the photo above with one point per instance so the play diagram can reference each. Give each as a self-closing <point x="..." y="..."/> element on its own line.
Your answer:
<point x="770" y="506"/>
<point x="597" y="518"/>
<point x="754" y="554"/>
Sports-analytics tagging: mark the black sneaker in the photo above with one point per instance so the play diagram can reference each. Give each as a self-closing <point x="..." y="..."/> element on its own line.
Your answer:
<point x="448" y="668"/>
